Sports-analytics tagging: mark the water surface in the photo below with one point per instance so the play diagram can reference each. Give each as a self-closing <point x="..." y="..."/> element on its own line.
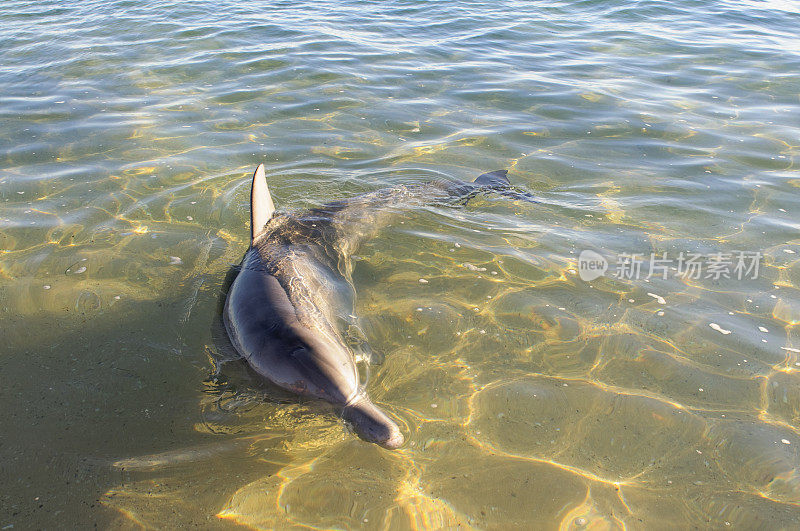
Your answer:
<point x="529" y="397"/>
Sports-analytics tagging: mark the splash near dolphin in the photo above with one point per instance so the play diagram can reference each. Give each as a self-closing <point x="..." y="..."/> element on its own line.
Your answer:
<point x="284" y="309"/>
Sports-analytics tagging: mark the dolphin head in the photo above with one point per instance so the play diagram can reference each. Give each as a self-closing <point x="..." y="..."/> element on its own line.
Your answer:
<point x="372" y="424"/>
<point x="336" y="379"/>
<point x="339" y="383"/>
<point x="312" y="363"/>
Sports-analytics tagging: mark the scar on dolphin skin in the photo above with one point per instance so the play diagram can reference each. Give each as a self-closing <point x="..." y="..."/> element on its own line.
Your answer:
<point x="281" y="309"/>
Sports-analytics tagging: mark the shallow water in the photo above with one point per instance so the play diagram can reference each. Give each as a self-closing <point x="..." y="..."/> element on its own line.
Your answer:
<point x="529" y="397"/>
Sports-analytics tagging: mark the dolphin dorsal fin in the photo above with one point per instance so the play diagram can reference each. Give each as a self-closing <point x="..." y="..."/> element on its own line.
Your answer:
<point x="261" y="206"/>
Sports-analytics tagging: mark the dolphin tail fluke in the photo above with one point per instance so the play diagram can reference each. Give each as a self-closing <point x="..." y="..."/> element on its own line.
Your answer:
<point x="372" y="424"/>
<point x="497" y="181"/>
<point x="261" y="206"/>
<point x="494" y="178"/>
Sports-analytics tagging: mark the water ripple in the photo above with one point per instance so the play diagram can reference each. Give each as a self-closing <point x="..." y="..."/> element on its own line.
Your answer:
<point x="127" y="130"/>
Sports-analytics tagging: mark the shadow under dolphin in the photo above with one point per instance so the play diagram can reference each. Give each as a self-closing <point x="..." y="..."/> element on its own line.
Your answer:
<point x="288" y="298"/>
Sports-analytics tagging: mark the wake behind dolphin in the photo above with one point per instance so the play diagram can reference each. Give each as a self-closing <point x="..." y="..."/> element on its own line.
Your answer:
<point x="293" y="289"/>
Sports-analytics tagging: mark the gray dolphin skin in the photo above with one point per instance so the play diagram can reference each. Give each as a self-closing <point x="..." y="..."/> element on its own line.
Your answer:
<point x="286" y="307"/>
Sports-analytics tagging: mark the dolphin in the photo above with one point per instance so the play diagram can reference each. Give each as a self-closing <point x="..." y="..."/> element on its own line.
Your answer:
<point x="284" y="311"/>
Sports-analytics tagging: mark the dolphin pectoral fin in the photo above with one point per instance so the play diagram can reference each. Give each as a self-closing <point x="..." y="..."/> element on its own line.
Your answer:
<point x="493" y="178"/>
<point x="372" y="424"/>
<point x="261" y="206"/>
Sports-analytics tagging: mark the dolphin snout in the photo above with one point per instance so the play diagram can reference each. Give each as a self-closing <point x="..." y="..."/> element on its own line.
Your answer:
<point x="395" y="440"/>
<point x="372" y="424"/>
